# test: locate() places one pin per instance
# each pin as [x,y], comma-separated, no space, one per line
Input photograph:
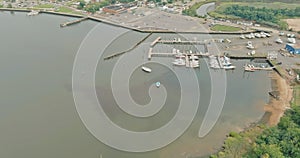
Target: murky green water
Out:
[38,117]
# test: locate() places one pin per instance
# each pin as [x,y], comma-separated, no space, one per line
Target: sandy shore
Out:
[276,108]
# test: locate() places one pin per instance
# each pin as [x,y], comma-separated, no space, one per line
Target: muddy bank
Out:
[276,107]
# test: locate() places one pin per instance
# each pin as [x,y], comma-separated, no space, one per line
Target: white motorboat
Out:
[229,67]
[146,69]
[291,40]
[179,62]
[250,47]
[278,40]
[32,13]
[179,55]
[193,57]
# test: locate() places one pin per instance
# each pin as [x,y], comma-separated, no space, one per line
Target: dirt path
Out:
[277,107]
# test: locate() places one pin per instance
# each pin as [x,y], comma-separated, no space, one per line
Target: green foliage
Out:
[93,7]
[281,141]
[224,28]
[263,15]
[125,1]
[170,1]
[9,5]
[81,5]
[192,10]
[266,151]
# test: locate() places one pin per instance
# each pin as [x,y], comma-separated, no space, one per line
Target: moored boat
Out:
[32,13]
[146,69]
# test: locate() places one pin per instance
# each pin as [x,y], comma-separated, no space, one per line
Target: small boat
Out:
[179,62]
[249,68]
[278,40]
[250,47]
[146,69]
[229,67]
[32,13]
[157,84]
[193,57]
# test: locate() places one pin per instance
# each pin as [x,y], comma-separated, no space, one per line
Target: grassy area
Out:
[218,27]
[296,95]
[222,16]
[68,10]
[192,10]
[274,5]
[253,14]
[44,6]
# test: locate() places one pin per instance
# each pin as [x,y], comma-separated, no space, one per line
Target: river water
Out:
[38,117]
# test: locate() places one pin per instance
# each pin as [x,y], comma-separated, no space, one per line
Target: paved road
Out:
[203,9]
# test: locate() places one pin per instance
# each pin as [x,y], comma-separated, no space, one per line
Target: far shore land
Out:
[143,30]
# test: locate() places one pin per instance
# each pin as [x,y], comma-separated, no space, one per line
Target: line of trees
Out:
[93,7]
[281,141]
[262,15]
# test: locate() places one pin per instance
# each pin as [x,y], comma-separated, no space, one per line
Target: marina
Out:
[59,84]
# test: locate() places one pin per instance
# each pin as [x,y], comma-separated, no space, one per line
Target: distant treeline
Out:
[262,15]
[264,1]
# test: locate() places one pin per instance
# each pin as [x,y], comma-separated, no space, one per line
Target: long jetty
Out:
[128,50]
[73,22]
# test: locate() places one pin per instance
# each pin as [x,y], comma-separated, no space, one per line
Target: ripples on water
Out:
[38,116]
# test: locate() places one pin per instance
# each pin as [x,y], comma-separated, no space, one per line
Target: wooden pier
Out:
[73,22]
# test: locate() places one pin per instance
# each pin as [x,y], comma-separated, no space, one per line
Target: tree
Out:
[267,151]
[81,5]
[9,5]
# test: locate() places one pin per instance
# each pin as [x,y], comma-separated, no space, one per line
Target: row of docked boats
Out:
[252,68]
[217,62]
[188,60]
[256,35]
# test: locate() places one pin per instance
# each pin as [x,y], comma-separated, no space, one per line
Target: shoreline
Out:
[150,30]
[276,108]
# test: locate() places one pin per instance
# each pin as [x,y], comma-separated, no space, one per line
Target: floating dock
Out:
[151,53]
[73,22]
[178,41]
